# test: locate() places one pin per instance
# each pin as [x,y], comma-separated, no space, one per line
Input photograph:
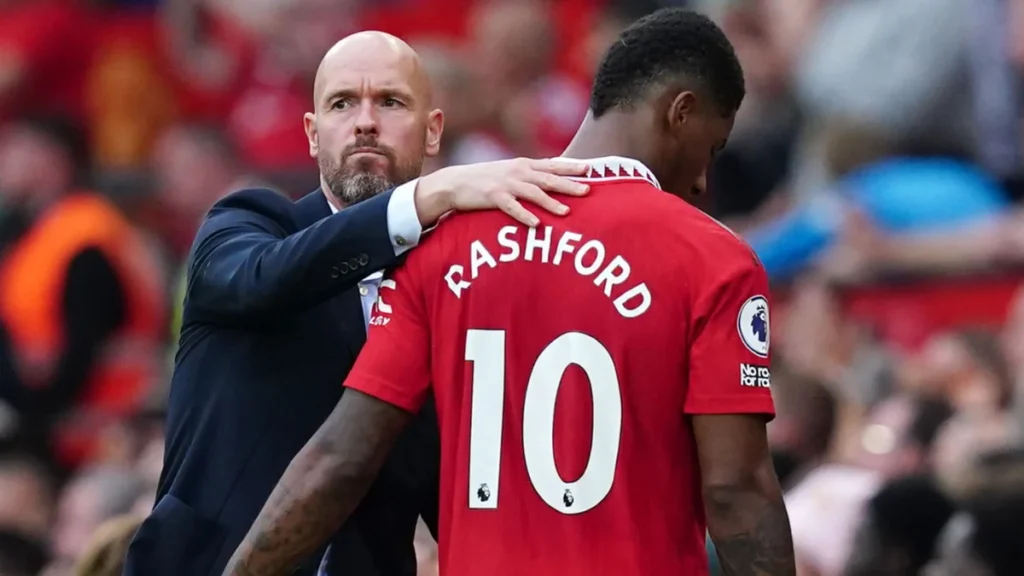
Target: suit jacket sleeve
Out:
[246,266]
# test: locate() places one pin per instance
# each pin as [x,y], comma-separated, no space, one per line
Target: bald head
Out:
[372,122]
[373,50]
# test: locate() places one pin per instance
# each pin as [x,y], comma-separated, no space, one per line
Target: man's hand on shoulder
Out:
[502,185]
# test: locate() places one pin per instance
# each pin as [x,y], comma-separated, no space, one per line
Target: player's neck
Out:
[607,136]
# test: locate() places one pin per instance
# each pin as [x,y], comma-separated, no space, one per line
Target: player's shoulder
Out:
[708,236]
[459,224]
[452,231]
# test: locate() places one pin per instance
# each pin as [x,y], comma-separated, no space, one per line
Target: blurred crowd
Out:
[875,167]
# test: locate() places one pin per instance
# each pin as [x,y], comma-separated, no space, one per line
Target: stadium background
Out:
[875,167]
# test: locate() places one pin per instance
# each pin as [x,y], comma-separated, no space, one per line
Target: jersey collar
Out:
[615,168]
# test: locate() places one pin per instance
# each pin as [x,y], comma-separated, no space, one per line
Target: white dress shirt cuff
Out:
[403,223]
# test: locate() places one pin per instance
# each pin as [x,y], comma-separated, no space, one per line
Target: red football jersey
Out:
[564,360]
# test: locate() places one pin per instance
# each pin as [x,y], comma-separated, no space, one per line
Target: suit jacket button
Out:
[363,259]
[344,267]
[353,263]
[335,273]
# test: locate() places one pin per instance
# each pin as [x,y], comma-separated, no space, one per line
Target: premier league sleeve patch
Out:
[752,324]
[753,376]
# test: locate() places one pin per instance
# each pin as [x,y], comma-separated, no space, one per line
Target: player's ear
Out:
[435,126]
[681,110]
[309,125]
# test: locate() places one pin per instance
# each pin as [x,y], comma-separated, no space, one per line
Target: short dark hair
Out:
[671,42]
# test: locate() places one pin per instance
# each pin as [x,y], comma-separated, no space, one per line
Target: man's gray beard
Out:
[354,188]
[351,186]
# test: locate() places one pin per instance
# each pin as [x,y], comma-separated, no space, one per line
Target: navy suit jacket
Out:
[272,325]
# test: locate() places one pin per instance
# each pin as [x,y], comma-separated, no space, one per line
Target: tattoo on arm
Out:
[321,487]
[752,535]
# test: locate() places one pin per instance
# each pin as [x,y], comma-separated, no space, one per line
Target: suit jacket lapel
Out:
[310,209]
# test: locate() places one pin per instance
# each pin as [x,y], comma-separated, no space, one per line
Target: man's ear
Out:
[309,125]
[680,110]
[435,126]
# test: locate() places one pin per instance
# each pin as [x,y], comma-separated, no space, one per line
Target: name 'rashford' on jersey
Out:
[588,257]
[564,360]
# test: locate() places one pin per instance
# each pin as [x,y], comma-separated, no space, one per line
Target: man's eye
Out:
[340,104]
[391,103]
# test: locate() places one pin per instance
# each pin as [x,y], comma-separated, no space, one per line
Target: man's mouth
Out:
[365,150]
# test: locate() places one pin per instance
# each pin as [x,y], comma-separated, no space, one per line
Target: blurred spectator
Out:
[826,506]
[463,114]
[816,339]
[149,465]
[899,433]
[90,499]
[79,294]
[767,35]
[194,166]
[28,494]
[209,46]
[20,556]
[1013,349]
[900,529]
[44,54]
[904,197]
[293,36]
[536,108]
[984,539]
[801,433]
[969,369]
[129,95]
[895,68]
[105,554]
[609,23]
[824,510]
[995,94]
[126,443]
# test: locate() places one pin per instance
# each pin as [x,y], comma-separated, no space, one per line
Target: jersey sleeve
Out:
[394,365]
[729,368]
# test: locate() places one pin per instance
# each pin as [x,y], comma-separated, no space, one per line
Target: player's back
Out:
[560,372]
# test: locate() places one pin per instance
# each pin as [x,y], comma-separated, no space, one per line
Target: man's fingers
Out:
[558,184]
[560,167]
[513,208]
[536,195]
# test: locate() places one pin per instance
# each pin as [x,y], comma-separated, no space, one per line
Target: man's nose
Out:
[366,121]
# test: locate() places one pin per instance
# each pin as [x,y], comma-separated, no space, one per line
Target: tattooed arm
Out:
[742,499]
[321,487]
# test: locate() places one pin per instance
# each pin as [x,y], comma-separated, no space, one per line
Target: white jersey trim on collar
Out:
[615,168]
